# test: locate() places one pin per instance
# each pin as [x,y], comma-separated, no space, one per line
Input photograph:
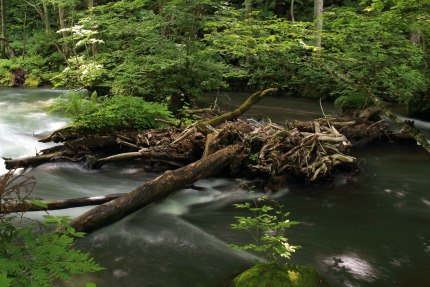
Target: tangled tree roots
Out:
[269,149]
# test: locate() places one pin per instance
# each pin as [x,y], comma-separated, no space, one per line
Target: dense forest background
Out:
[171,51]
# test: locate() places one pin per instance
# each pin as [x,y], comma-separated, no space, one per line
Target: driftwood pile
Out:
[267,149]
[305,151]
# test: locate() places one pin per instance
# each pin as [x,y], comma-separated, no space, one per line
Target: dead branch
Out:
[25,206]
[255,98]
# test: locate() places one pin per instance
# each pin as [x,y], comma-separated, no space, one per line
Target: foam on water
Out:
[23,121]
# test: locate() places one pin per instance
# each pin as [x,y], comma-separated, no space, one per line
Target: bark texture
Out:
[154,190]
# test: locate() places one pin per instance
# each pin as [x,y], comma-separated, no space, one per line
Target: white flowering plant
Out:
[267,225]
[81,73]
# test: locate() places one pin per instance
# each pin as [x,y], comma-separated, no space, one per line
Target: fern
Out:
[29,258]
[122,112]
[36,257]
[73,103]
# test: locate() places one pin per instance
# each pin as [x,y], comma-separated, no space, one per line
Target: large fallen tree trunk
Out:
[155,190]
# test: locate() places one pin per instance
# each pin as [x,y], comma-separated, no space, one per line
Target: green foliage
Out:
[31,256]
[153,55]
[5,76]
[121,112]
[267,226]
[32,80]
[265,51]
[35,66]
[372,49]
[73,103]
[6,66]
[169,50]
[81,73]
[351,102]
[279,275]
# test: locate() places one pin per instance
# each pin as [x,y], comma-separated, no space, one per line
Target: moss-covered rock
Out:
[279,275]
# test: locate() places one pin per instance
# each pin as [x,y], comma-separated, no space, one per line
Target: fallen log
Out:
[121,156]
[32,161]
[255,98]
[25,206]
[154,190]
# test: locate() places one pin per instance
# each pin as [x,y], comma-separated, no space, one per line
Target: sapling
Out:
[267,226]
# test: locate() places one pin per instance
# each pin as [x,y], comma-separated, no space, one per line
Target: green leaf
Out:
[39,204]
[4,281]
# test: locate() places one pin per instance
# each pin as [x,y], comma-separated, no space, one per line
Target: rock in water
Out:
[279,275]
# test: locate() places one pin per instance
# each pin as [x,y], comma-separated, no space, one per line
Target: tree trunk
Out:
[62,23]
[3,29]
[24,24]
[248,8]
[46,18]
[318,18]
[154,190]
[292,10]
[94,46]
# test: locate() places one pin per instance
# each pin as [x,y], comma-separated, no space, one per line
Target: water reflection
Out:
[352,268]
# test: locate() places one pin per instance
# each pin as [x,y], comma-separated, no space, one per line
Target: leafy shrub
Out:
[81,73]
[267,227]
[5,76]
[353,101]
[5,66]
[31,256]
[32,80]
[31,64]
[122,112]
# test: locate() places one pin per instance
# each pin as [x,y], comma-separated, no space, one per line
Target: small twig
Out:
[322,110]
[190,130]
[122,142]
[377,123]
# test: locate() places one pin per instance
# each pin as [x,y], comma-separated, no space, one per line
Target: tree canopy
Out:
[172,51]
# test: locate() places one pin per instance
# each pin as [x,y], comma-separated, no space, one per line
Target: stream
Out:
[371,229]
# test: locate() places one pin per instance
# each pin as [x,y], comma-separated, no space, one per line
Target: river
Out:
[371,229]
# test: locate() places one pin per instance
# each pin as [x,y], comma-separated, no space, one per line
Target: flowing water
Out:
[362,230]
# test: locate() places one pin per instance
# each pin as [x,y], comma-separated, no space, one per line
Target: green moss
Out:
[279,275]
